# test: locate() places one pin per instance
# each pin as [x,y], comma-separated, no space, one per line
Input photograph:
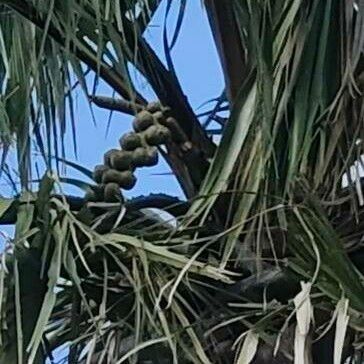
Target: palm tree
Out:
[261,263]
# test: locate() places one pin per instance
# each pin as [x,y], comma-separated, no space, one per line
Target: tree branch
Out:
[110,103]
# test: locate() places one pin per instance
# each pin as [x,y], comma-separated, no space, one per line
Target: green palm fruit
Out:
[112,193]
[157,135]
[143,121]
[145,157]
[108,154]
[128,180]
[130,141]
[121,160]
[98,172]
[124,179]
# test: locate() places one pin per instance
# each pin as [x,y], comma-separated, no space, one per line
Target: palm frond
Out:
[263,242]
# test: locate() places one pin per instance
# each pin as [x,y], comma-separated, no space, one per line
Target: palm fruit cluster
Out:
[138,149]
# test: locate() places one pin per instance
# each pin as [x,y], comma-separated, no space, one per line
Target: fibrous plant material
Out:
[145,157]
[143,121]
[98,172]
[121,160]
[112,193]
[131,141]
[125,179]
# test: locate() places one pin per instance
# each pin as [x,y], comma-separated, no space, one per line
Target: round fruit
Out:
[157,135]
[124,179]
[112,175]
[143,121]
[130,141]
[128,180]
[121,160]
[107,156]
[98,172]
[112,193]
[145,157]
[152,159]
